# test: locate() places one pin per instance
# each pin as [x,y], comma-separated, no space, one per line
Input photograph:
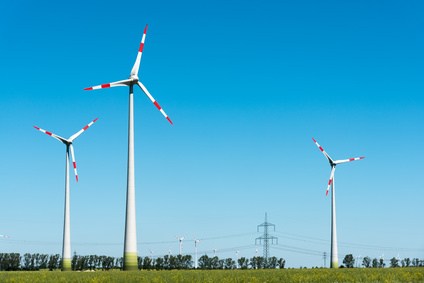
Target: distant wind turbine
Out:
[357,261]
[237,252]
[214,251]
[334,254]
[181,241]
[151,254]
[66,249]
[130,242]
[195,251]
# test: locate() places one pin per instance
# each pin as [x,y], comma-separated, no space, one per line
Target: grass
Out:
[411,274]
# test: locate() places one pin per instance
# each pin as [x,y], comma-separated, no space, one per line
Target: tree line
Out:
[33,262]
[36,261]
[367,262]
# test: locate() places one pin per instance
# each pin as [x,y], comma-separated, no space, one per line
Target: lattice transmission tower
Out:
[266,238]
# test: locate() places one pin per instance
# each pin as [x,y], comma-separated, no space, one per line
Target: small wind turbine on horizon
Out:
[334,254]
[151,254]
[66,249]
[195,251]
[214,251]
[170,251]
[181,242]
[130,240]
[357,261]
[237,252]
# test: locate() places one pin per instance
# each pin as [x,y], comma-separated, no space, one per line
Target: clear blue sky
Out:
[247,85]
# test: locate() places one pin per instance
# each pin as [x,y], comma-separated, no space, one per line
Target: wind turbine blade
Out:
[134,71]
[153,100]
[83,129]
[73,161]
[119,83]
[323,151]
[184,236]
[347,160]
[4,236]
[52,135]
[331,179]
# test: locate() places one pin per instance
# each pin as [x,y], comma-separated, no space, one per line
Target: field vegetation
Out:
[410,274]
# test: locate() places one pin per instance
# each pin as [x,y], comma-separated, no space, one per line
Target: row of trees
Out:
[256,262]
[33,262]
[367,262]
[14,261]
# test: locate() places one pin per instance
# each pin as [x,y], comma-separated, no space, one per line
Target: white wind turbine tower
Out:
[195,251]
[214,251]
[334,254]
[237,252]
[130,240]
[170,251]
[66,249]
[357,261]
[181,241]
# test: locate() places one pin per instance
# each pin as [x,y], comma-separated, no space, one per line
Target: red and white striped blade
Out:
[143,88]
[4,236]
[331,179]
[83,129]
[323,151]
[73,161]
[63,140]
[119,83]
[348,160]
[134,71]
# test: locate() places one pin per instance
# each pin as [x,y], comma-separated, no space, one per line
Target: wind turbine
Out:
[130,242]
[357,261]
[151,254]
[66,249]
[237,252]
[170,251]
[181,241]
[195,251]
[214,251]
[334,254]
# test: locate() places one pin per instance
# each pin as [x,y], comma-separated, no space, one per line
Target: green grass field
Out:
[412,274]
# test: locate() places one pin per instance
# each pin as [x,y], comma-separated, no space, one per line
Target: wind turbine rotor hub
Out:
[134,79]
